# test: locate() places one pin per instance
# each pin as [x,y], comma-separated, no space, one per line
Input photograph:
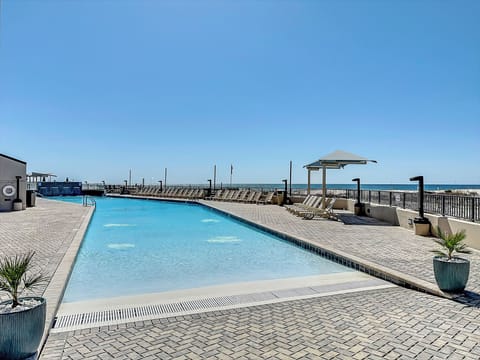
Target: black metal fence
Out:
[458,206]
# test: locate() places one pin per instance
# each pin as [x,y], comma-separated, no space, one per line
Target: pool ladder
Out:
[88,201]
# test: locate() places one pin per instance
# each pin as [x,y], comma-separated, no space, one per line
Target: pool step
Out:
[70,322]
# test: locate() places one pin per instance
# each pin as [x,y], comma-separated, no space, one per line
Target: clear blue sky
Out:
[91,89]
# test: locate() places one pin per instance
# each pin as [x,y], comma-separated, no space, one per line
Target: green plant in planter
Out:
[22,320]
[451,272]
[15,276]
[452,243]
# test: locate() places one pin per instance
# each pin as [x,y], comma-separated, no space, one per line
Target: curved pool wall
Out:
[137,246]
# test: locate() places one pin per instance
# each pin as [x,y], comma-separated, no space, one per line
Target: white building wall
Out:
[9,169]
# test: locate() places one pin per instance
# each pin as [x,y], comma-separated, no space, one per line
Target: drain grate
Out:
[77,321]
[146,312]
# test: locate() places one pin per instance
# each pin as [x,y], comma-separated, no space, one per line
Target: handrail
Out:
[88,201]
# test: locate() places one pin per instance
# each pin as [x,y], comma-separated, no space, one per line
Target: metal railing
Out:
[88,201]
[32,186]
[458,206]
[96,187]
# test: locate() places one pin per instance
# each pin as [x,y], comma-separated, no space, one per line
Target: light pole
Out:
[290,192]
[358,207]
[165,179]
[18,188]
[420,194]
[422,224]
[214,176]
[209,187]
[161,185]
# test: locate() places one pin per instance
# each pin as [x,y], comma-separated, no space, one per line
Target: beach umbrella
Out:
[335,160]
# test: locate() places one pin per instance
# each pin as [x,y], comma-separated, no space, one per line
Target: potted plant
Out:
[451,272]
[22,319]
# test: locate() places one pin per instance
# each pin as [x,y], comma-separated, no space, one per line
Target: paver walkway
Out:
[53,229]
[48,229]
[391,323]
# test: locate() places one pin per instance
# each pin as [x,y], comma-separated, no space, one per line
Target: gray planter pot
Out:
[451,276]
[21,332]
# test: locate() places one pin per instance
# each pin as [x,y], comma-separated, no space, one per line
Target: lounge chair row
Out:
[312,208]
[243,195]
[171,192]
[145,190]
[183,193]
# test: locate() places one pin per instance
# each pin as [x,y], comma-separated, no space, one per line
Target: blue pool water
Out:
[139,246]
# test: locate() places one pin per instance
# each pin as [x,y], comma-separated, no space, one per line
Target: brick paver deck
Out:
[48,229]
[54,230]
[391,323]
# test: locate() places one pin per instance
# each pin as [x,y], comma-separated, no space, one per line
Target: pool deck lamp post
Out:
[290,189]
[18,188]
[284,200]
[209,187]
[422,224]
[161,185]
[17,203]
[358,207]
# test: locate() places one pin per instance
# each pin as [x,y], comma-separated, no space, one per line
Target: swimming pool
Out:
[137,246]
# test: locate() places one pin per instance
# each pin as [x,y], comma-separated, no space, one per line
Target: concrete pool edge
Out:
[127,309]
[228,289]
[59,280]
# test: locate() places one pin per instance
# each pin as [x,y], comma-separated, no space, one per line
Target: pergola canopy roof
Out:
[337,160]
[37,174]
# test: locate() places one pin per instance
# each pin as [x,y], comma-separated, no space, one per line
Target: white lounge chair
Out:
[322,213]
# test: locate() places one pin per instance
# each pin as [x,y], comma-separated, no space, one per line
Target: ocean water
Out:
[139,246]
[353,186]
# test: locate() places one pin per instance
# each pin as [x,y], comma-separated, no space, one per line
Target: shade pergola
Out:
[335,160]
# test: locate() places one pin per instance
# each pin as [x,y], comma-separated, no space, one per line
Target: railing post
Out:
[443,205]
[369,196]
[404,199]
[379,197]
[390,195]
[473,209]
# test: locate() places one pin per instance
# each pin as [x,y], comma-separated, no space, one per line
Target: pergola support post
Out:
[324,186]
[308,182]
